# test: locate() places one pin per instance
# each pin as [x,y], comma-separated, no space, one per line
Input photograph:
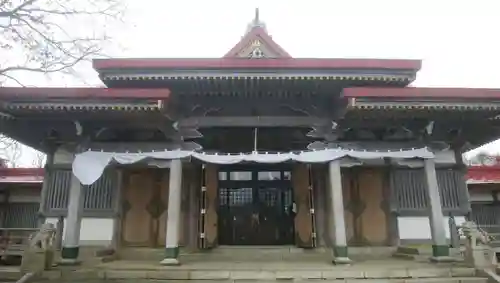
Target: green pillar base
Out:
[70,252]
[172,252]
[340,255]
[171,255]
[340,251]
[69,256]
[440,251]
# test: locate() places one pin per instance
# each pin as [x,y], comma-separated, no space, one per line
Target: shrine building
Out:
[483,182]
[256,148]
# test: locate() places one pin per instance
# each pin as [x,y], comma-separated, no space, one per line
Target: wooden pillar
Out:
[173,214]
[337,205]
[71,245]
[440,249]
[47,175]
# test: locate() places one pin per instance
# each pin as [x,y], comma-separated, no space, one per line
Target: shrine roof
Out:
[33,93]
[256,50]
[263,63]
[423,93]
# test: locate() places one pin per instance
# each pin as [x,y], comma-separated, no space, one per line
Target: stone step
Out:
[210,272]
[256,253]
[411,280]
[430,280]
[283,273]
[10,274]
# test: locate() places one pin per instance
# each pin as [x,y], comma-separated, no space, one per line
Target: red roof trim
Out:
[265,63]
[21,175]
[483,174]
[257,33]
[21,171]
[414,92]
[81,93]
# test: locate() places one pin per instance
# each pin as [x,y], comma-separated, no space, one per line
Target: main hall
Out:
[256,148]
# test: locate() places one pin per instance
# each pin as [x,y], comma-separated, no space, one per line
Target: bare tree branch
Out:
[39,160]
[53,36]
[10,150]
[47,37]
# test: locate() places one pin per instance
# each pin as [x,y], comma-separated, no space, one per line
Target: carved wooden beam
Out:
[253,121]
[327,133]
[141,146]
[378,145]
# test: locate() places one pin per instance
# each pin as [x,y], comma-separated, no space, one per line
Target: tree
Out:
[49,36]
[39,160]
[10,151]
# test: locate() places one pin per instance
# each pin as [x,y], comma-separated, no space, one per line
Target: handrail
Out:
[26,277]
[479,250]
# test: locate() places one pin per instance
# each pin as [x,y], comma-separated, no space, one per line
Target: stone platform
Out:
[385,270]
[271,265]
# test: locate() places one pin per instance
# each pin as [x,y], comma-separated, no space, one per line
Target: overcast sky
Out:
[457,40]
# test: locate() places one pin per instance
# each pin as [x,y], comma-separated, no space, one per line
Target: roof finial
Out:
[256,22]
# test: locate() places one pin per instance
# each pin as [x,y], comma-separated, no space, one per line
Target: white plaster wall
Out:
[25,194]
[419,227]
[94,231]
[480,196]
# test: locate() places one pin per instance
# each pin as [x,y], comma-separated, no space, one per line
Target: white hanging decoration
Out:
[88,166]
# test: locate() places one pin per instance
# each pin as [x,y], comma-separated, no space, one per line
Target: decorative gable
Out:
[257,53]
[257,43]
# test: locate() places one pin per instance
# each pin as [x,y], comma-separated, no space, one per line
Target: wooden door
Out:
[303,205]
[349,196]
[365,208]
[373,218]
[162,219]
[145,200]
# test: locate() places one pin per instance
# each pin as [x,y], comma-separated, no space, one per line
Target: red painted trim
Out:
[484,173]
[81,93]
[257,33]
[417,92]
[20,176]
[5,171]
[265,63]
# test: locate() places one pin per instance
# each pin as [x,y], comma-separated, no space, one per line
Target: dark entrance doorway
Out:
[255,205]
